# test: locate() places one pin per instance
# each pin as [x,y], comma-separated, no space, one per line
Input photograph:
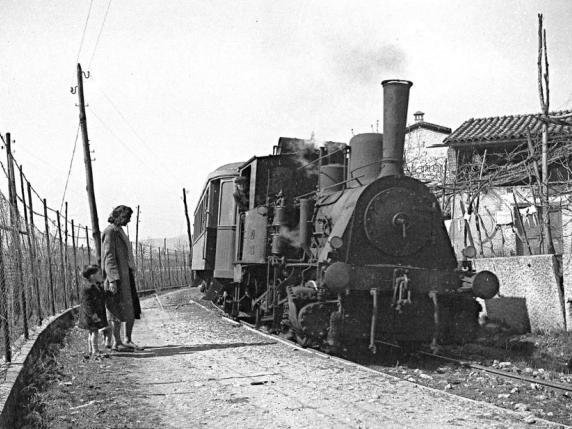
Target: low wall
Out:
[567,272]
[51,330]
[530,297]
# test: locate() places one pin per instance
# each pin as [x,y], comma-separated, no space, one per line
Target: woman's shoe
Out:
[133,345]
[121,348]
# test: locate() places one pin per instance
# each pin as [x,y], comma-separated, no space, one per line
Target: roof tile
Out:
[511,127]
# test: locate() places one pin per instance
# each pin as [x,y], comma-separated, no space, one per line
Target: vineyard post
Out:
[4,306]
[82,252]
[15,228]
[49,253]
[66,256]
[161,264]
[75,267]
[177,271]
[62,262]
[31,253]
[34,247]
[145,269]
[151,267]
[168,262]
[88,248]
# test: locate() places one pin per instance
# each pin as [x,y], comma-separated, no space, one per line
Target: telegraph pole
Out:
[88,171]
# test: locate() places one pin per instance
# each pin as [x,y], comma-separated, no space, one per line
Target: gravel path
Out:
[199,370]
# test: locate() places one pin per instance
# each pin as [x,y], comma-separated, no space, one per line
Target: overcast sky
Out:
[179,87]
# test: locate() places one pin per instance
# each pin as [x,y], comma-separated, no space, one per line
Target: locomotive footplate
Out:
[341,276]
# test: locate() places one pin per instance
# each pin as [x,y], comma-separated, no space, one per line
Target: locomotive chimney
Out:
[395,101]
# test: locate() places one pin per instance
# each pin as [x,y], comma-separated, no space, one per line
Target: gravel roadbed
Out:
[201,370]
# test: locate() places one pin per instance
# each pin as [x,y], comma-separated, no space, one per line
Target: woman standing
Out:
[122,302]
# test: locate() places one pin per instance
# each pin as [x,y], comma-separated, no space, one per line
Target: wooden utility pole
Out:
[188,224]
[88,170]
[544,95]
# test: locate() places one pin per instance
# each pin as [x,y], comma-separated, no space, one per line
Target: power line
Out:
[133,130]
[159,175]
[70,169]
[84,29]
[99,34]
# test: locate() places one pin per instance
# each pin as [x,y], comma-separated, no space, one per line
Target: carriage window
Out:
[199,224]
[226,213]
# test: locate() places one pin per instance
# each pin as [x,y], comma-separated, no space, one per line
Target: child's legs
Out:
[93,339]
[106,332]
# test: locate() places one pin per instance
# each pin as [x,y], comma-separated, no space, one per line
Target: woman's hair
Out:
[118,212]
[89,270]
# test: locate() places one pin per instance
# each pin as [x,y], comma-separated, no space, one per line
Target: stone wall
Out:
[530,297]
[567,273]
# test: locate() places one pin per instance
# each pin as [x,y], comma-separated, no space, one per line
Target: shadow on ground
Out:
[174,349]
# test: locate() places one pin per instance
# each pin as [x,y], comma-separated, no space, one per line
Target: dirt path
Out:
[198,370]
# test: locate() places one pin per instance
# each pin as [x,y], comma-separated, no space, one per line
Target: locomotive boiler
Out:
[336,247]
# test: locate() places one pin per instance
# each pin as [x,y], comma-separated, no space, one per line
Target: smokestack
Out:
[395,101]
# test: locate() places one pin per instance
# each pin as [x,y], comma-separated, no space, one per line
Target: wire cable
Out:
[160,177]
[99,34]
[84,30]
[136,134]
[70,169]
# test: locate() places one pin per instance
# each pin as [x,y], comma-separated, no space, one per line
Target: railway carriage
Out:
[214,230]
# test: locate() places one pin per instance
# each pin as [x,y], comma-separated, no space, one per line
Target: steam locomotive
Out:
[334,246]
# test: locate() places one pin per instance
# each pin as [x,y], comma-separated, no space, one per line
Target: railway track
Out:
[465,368]
[440,357]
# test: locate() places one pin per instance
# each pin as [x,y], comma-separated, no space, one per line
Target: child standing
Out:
[92,315]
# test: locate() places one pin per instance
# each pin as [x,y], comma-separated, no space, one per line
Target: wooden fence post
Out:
[15,227]
[151,267]
[4,306]
[88,249]
[66,257]
[35,247]
[62,263]
[75,267]
[160,265]
[31,249]
[168,262]
[49,253]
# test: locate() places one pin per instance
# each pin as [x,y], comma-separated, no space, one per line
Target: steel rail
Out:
[506,374]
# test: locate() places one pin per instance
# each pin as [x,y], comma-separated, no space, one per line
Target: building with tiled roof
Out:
[425,153]
[492,173]
[503,129]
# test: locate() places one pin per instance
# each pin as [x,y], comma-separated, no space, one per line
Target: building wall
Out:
[421,161]
[530,297]
[495,235]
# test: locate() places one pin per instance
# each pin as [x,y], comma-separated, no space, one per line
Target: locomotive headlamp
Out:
[485,285]
[469,252]
[336,242]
